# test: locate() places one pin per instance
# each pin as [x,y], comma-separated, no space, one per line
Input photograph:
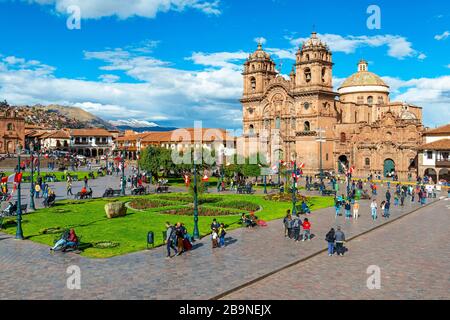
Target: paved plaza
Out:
[29,271]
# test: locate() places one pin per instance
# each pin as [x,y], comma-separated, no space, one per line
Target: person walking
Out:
[356,210]
[340,240]
[348,207]
[374,208]
[170,239]
[69,187]
[214,238]
[286,223]
[37,189]
[330,239]
[387,206]
[337,207]
[179,238]
[296,223]
[221,233]
[86,181]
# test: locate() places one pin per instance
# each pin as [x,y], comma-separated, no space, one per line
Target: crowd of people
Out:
[177,239]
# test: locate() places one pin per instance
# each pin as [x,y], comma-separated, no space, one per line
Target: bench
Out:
[162,189]
[87,195]
[138,191]
[327,192]
[24,208]
[110,193]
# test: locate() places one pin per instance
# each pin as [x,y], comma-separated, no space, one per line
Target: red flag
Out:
[301,165]
[4,179]
[187,180]
[205,178]
[18,177]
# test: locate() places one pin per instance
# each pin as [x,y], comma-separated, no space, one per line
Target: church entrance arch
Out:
[444,174]
[389,168]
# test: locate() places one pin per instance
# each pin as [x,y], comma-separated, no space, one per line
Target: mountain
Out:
[57,116]
[139,125]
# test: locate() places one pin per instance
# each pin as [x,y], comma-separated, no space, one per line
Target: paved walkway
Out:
[413,255]
[27,270]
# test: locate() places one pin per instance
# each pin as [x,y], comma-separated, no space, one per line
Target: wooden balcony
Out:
[443,163]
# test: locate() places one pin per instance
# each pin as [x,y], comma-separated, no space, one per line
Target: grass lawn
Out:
[89,221]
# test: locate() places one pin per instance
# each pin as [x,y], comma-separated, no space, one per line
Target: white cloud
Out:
[260,40]
[422,56]
[398,47]
[109,78]
[220,59]
[135,123]
[123,9]
[443,36]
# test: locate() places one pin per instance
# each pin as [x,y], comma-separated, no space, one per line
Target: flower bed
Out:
[284,197]
[202,211]
[143,204]
[240,205]
[185,199]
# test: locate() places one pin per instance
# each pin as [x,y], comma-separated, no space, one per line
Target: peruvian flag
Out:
[187,180]
[351,170]
[18,177]
[294,175]
[301,165]
[274,168]
[11,178]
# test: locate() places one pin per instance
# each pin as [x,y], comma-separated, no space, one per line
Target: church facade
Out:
[12,131]
[302,118]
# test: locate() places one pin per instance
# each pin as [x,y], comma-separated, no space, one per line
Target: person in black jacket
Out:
[330,238]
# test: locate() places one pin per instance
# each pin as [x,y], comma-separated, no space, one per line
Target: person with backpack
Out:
[221,233]
[348,207]
[307,229]
[330,238]
[170,239]
[215,224]
[340,240]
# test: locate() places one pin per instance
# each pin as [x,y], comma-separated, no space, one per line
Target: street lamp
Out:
[125,145]
[320,139]
[32,204]
[294,187]
[196,233]
[19,231]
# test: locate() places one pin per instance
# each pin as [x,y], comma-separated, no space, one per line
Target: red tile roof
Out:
[444,130]
[439,145]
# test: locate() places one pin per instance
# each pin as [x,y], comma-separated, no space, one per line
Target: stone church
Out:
[303,118]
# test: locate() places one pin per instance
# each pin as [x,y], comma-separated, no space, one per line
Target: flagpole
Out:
[294,189]
[19,231]
[32,204]
[196,231]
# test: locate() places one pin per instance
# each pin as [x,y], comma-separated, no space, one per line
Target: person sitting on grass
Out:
[305,208]
[68,239]
[246,221]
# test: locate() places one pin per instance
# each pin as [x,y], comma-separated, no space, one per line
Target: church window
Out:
[252,130]
[326,157]
[308,74]
[360,100]
[267,124]
[253,83]
[367,162]
[343,137]
[10,127]
[277,123]
[307,126]
[380,100]
[306,105]
[356,116]
[307,57]
[429,155]
[370,100]
[324,72]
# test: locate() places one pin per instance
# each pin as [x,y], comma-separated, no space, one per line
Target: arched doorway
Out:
[389,168]
[444,174]
[10,147]
[431,173]
[343,164]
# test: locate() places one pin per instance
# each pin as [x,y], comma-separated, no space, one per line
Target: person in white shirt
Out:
[374,207]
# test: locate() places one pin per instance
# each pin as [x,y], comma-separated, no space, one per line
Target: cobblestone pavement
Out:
[413,255]
[28,271]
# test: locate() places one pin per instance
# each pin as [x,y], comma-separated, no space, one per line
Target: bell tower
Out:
[259,69]
[314,66]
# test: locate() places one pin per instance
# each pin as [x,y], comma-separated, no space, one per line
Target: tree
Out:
[156,160]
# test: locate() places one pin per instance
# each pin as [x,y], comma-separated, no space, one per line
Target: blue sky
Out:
[175,61]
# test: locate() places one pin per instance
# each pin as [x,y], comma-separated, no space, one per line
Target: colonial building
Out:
[12,131]
[434,154]
[91,142]
[303,118]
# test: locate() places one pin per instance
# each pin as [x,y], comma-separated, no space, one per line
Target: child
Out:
[307,228]
[214,237]
[356,210]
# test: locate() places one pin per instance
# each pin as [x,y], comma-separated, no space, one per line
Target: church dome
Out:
[363,80]
[314,43]
[259,54]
